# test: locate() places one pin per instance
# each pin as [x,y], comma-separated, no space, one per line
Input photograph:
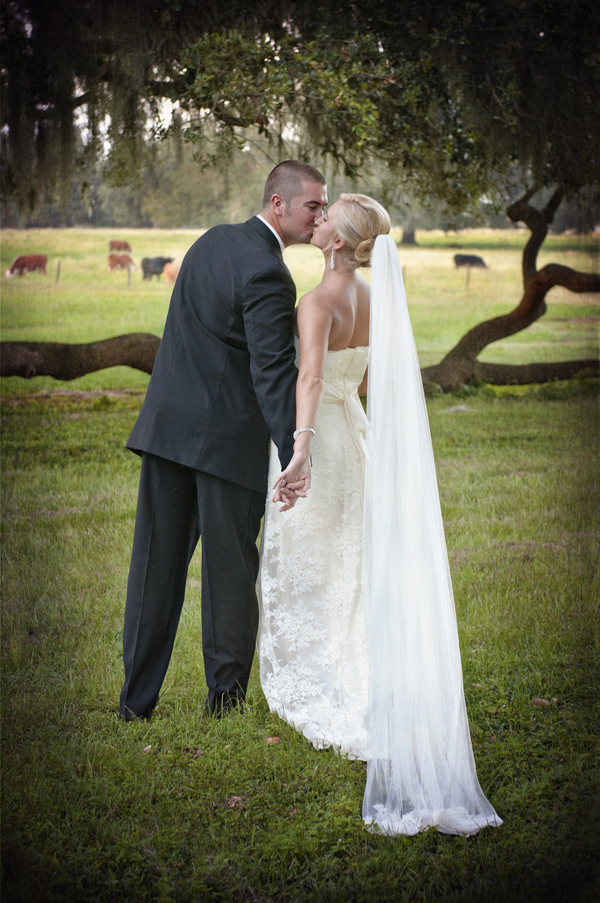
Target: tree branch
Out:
[556,274]
[531,307]
[526,374]
[537,221]
[460,363]
[553,205]
[138,350]
[64,361]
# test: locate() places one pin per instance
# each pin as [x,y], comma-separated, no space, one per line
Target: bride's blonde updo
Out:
[359,220]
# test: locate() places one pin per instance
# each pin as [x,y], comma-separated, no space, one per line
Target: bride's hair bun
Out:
[360,219]
[362,255]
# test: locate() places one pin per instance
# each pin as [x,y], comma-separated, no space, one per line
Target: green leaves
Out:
[396,81]
[330,91]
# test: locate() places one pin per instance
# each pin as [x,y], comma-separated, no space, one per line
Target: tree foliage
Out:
[450,93]
[102,64]
[336,96]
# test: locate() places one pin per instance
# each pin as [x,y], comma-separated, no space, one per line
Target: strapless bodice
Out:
[343,371]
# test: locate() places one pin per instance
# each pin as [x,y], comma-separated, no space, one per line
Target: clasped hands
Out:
[293,483]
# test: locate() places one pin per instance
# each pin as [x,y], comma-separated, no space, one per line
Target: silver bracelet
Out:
[305,429]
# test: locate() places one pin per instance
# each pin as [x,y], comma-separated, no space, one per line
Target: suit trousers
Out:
[176,506]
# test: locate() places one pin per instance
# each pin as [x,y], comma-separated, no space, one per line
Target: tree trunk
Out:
[408,237]
[461,364]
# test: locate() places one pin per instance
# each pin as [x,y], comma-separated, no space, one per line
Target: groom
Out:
[223,382]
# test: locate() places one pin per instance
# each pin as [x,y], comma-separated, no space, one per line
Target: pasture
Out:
[89,303]
[187,808]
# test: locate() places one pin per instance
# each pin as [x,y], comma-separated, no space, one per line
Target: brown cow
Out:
[117,245]
[120,262]
[28,263]
[171,271]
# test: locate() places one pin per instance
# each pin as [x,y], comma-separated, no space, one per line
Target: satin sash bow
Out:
[355,415]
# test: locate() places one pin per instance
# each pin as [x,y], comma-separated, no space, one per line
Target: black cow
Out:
[153,266]
[469,260]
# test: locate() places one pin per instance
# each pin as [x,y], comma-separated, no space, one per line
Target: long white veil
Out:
[420,770]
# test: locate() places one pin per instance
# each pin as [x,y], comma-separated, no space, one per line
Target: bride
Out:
[358,642]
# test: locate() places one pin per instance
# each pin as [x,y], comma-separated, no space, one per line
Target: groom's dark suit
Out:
[223,382]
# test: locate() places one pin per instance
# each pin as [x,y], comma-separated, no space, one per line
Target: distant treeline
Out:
[175,192]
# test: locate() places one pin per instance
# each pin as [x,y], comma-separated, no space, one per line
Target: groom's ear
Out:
[278,205]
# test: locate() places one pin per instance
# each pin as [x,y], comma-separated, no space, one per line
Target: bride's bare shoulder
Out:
[316,306]
[316,313]
[323,298]
[317,296]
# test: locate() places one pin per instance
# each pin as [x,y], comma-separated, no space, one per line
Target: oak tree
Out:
[454,97]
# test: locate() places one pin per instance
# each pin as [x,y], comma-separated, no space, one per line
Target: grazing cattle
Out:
[28,263]
[120,262]
[117,245]
[153,266]
[171,271]
[469,260]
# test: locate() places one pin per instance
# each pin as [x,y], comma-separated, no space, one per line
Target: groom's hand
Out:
[294,482]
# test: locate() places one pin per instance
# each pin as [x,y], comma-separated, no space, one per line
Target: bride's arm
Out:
[314,326]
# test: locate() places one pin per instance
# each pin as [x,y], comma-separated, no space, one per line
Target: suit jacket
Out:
[224,378]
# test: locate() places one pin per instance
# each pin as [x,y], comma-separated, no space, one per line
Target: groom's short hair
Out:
[288,180]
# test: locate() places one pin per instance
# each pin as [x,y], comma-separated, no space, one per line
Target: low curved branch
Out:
[526,374]
[65,361]
[451,374]
[531,307]
[461,364]
[557,274]
[138,350]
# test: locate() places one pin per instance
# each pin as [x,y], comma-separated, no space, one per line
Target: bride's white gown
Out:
[312,640]
[357,612]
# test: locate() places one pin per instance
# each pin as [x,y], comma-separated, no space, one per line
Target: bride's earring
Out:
[332,260]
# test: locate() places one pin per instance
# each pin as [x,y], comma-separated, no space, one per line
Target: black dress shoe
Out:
[128,715]
[223,703]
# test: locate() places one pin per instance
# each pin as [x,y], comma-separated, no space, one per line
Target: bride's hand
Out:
[294,482]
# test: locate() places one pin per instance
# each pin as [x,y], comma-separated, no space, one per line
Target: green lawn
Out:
[90,304]
[187,808]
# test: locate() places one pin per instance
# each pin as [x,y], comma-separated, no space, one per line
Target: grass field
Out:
[186,808]
[90,304]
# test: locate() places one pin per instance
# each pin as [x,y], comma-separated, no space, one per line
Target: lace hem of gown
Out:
[312,641]
[447,821]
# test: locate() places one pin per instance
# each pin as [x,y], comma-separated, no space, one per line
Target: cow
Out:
[469,260]
[116,244]
[28,263]
[120,262]
[153,266]
[171,271]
